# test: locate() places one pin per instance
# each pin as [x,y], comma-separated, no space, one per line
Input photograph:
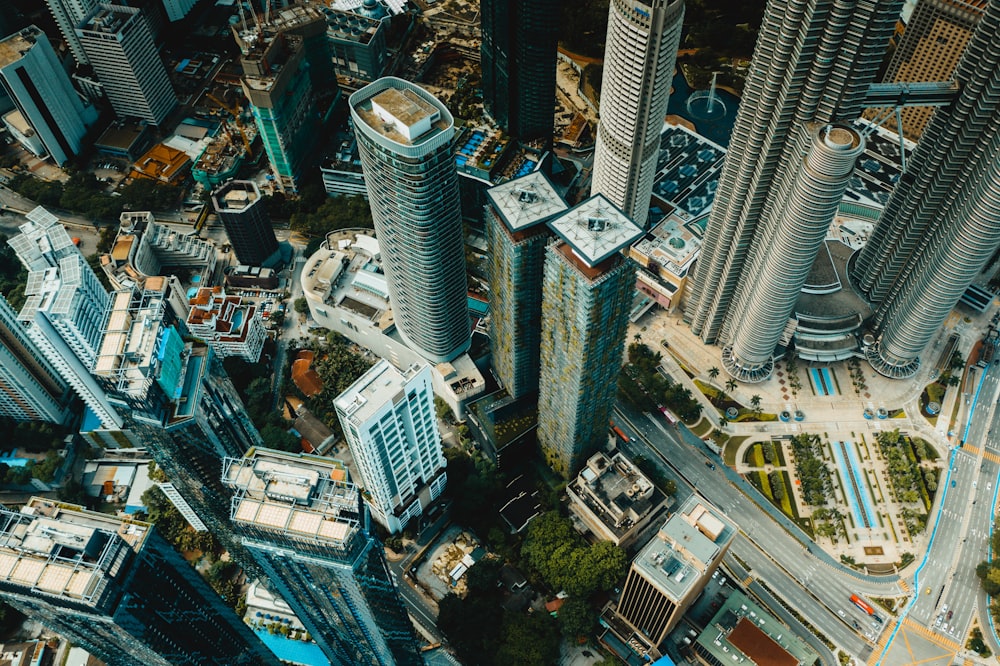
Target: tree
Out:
[576,618]
[730,384]
[755,402]
[301,305]
[713,372]
[528,640]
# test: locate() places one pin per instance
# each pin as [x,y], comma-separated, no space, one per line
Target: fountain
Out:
[705,104]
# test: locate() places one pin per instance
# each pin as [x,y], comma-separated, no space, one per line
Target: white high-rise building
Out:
[638,67]
[68,15]
[120,48]
[405,142]
[390,427]
[66,307]
[33,78]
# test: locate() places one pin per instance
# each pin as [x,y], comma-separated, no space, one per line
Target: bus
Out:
[862,604]
[671,419]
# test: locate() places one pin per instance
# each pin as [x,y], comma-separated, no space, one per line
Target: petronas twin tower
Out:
[790,158]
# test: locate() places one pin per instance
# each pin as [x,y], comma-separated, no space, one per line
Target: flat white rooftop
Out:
[381,384]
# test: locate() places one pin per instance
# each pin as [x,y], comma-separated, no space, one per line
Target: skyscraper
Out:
[516,234]
[65,308]
[120,48]
[178,400]
[388,422]
[518,58]
[638,68]
[929,50]
[404,138]
[247,222]
[34,79]
[587,290]
[69,14]
[30,387]
[939,227]
[115,587]
[306,525]
[813,64]
[289,79]
[803,211]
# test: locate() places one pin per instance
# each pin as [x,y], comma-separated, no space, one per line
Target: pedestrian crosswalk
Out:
[975,451]
[913,625]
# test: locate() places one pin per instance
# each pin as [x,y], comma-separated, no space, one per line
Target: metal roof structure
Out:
[595,229]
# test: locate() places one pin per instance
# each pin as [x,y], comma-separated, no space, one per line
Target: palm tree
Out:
[730,384]
[755,402]
[723,422]
[713,372]
[637,337]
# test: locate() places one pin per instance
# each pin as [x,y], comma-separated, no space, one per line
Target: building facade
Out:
[938,230]
[229,326]
[31,389]
[65,307]
[516,234]
[88,576]
[358,44]
[68,14]
[786,91]
[247,222]
[33,77]
[639,63]
[804,210]
[307,527]
[404,138]
[932,43]
[669,573]
[518,57]
[120,48]
[389,424]
[587,289]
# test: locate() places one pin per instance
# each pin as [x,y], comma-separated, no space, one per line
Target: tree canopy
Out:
[554,549]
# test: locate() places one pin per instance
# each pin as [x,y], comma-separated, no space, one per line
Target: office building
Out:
[932,43]
[614,499]
[518,57]
[939,229]
[289,79]
[115,587]
[65,308]
[177,9]
[639,58]
[785,93]
[742,631]
[388,421]
[587,289]
[305,524]
[178,400]
[247,222]
[33,77]
[804,209]
[30,387]
[669,573]
[516,234]
[357,44]
[69,14]
[404,137]
[120,48]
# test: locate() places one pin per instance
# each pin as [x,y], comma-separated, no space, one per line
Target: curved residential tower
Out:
[404,138]
[638,67]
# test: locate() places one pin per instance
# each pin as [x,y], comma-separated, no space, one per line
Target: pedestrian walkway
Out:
[975,451]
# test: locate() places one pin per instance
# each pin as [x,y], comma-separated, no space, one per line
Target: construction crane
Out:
[235,113]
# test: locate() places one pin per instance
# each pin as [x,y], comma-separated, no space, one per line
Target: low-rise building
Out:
[743,632]
[230,325]
[666,254]
[614,499]
[346,291]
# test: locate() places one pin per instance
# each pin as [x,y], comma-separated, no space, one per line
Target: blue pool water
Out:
[823,381]
[817,381]
[855,489]
[296,652]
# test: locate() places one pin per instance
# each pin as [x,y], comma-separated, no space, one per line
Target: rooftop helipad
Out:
[595,229]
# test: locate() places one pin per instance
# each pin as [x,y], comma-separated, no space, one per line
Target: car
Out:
[944,609]
[950,613]
[840,612]
[937,622]
[953,483]
[709,464]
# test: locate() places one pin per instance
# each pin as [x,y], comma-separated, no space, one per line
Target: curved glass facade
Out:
[413,192]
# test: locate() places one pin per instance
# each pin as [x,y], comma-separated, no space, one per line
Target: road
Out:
[784,562]
[947,579]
